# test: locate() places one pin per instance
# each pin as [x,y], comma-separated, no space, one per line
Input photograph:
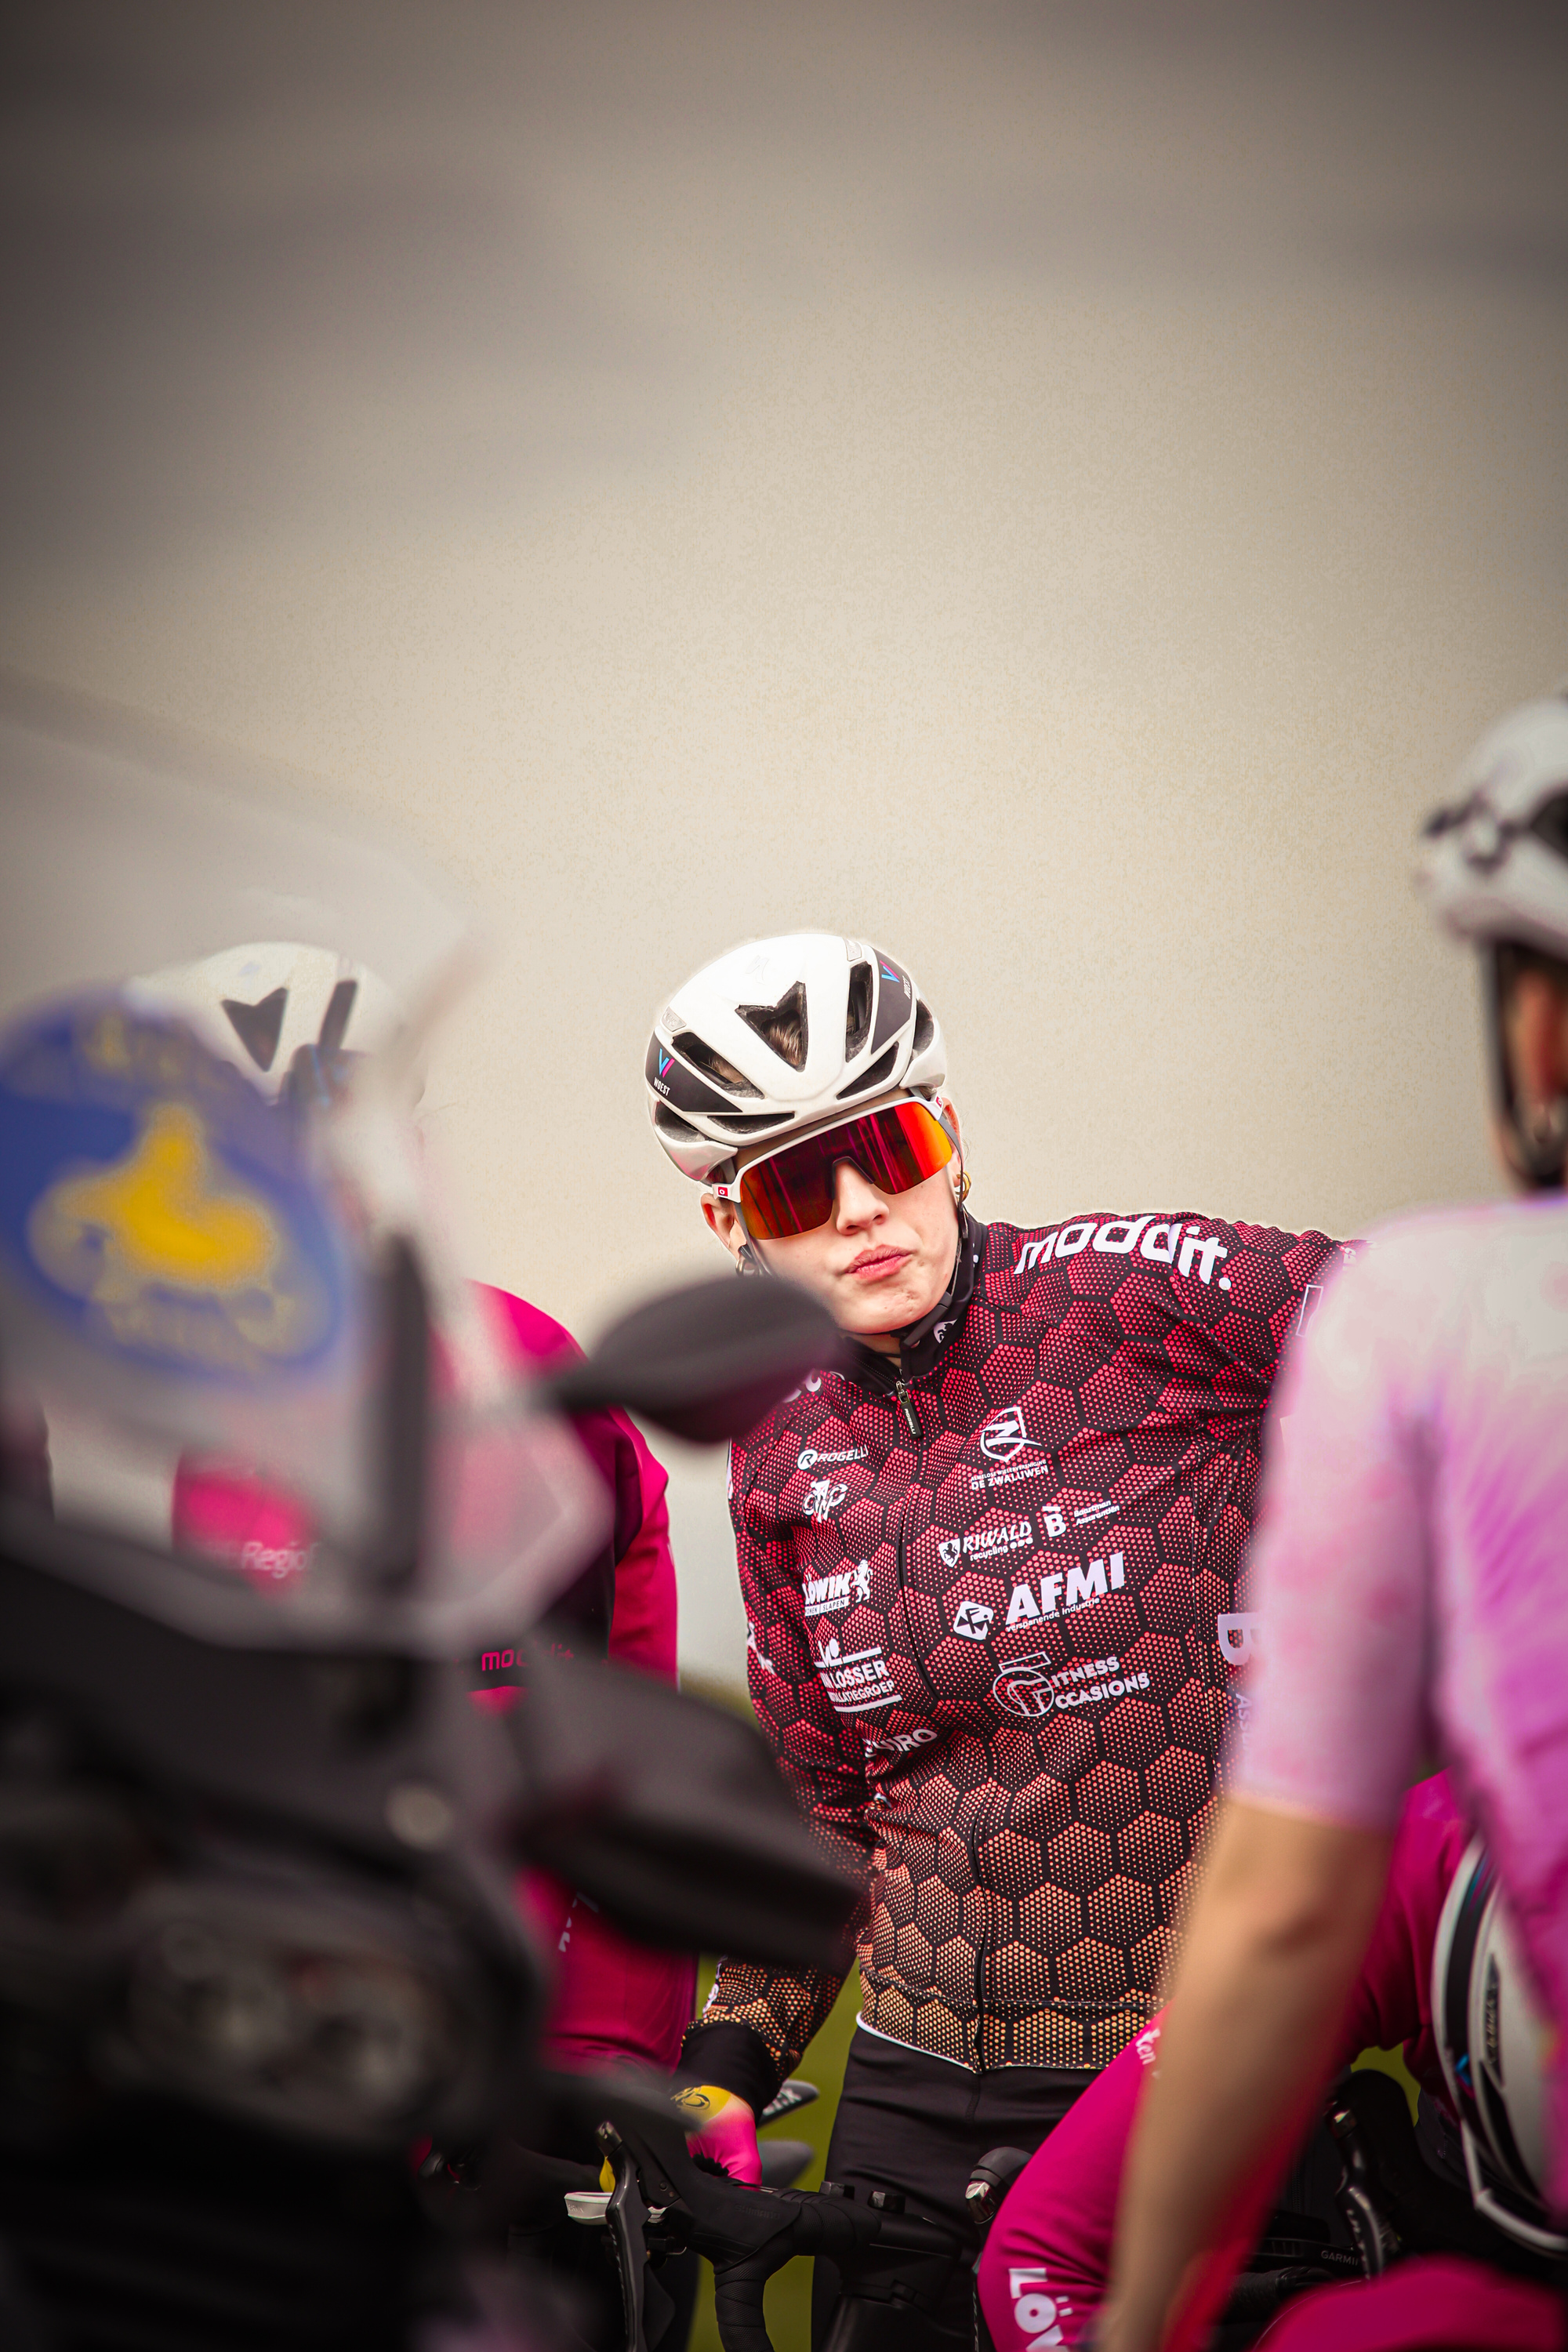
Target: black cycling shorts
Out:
[918,2124]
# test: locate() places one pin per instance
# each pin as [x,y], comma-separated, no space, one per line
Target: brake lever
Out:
[626,2216]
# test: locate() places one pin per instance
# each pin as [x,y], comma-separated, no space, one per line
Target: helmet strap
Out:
[748,1257]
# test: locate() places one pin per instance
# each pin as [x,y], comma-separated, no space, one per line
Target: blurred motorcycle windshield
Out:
[196,1270]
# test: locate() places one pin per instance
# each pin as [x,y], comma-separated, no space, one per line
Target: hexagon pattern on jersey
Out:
[995,1660]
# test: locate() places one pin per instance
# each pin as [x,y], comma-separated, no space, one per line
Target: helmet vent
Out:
[337,1016]
[258,1026]
[740,1122]
[925,1028]
[701,1056]
[667,1123]
[857,1020]
[781,1027]
[880,1069]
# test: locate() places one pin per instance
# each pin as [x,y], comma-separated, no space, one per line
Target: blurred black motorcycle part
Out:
[688,1364]
[667,1813]
[256,1934]
[258,1942]
[670,1815]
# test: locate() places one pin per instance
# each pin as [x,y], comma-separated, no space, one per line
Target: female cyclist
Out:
[989,1565]
[1412,1578]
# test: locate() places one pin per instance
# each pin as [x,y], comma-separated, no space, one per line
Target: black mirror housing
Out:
[669,1813]
[705,1361]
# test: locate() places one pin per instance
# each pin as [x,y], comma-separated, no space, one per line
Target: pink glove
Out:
[720,2125]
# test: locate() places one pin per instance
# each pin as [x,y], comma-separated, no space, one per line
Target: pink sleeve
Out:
[617,2003]
[1049,2253]
[645,1624]
[532,1333]
[1339,1566]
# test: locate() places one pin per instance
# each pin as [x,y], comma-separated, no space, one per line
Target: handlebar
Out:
[823,2222]
[664,2198]
[746,2233]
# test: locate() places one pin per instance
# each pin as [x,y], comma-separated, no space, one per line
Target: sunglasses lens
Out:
[894,1149]
[791,1194]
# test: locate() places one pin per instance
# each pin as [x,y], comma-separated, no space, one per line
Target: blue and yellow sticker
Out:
[153,1202]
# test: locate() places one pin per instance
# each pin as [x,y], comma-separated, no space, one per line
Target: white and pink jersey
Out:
[1410,1570]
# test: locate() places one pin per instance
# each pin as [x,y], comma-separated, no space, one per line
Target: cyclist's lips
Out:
[878,1263]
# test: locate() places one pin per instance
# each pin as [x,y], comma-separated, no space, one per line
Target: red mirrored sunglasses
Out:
[792,1190]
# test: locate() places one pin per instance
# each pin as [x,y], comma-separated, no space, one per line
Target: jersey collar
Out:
[921,1345]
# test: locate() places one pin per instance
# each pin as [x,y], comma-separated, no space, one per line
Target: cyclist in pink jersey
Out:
[1043,2273]
[1411,1589]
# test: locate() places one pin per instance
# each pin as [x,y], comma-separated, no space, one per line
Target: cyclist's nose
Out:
[855,1203]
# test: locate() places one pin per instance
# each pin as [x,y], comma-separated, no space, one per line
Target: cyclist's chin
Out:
[873,1309]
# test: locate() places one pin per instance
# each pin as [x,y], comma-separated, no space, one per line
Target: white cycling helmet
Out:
[291,1018]
[1493,2046]
[1494,868]
[779,1034]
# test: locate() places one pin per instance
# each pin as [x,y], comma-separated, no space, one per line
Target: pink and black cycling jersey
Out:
[615,2001]
[991,1589]
[1411,1561]
[1042,2274]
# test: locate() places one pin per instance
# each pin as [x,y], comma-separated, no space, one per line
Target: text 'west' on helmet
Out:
[782,1034]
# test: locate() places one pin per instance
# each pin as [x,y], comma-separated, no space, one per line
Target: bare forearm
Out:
[1271,1947]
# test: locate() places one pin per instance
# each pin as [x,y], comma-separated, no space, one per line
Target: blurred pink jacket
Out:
[615,2001]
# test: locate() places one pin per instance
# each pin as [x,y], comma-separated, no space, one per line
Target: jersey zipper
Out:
[911,1422]
[911,1418]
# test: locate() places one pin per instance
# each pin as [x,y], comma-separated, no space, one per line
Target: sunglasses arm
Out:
[748,1257]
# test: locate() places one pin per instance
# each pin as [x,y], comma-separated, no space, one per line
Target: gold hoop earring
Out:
[960,1190]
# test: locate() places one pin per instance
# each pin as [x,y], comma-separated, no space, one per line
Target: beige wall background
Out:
[1053,489]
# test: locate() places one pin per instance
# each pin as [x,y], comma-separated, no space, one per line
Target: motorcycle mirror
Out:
[705,1361]
[669,1814]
